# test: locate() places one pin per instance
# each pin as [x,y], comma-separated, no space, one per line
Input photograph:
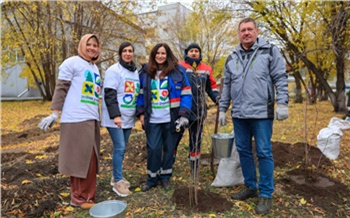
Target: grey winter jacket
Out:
[251,86]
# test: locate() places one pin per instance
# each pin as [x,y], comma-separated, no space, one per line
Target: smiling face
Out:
[128,54]
[92,48]
[248,33]
[160,56]
[193,53]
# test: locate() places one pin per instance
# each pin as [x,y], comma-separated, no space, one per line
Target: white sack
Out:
[229,170]
[339,123]
[329,138]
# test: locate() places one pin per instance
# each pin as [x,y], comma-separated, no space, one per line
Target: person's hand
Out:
[181,122]
[48,121]
[281,112]
[142,119]
[217,99]
[118,121]
[222,118]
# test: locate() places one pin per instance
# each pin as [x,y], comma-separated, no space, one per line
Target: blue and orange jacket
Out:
[180,96]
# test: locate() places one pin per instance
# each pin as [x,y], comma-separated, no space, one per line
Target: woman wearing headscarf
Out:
[164,106]
[121,88]
[76,98]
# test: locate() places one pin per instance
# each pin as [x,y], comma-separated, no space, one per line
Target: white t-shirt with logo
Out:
[127,85]
[81,102]
[160,100]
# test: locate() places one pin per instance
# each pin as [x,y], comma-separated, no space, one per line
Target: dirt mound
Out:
[287,155]
[207,201]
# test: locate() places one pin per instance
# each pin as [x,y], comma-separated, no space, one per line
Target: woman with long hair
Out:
[164,106]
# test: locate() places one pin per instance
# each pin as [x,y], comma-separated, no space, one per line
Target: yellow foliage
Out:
[243,206]
[138,189]
[69,209]
[39,175]
[41,157]
[303,26]
[64,194]
[25,182]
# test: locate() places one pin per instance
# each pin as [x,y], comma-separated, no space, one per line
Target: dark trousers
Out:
[161,144]
[195,132]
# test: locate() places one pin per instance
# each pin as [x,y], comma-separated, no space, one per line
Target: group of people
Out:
[167,96]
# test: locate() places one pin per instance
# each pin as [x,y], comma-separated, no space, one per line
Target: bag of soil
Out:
[329,138]
[229,170]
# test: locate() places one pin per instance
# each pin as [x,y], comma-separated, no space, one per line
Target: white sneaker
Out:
[126,182]
[121,189]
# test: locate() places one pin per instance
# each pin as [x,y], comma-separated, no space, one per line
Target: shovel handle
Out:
[215,130]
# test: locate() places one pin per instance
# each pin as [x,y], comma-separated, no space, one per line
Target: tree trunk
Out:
[298,88]
[338,27]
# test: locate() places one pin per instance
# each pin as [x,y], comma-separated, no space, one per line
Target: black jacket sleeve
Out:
[112,103]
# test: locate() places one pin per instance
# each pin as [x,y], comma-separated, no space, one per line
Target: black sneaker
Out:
[244,194]
[264,205]
[145,188]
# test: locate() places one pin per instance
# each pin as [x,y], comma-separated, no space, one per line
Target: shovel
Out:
[215,131]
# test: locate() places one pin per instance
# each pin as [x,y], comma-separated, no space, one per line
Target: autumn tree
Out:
[292,23]
[26,24]
[47,32]
[208,25]
[339,28]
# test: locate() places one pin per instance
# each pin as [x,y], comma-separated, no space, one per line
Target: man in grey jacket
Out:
[253,72]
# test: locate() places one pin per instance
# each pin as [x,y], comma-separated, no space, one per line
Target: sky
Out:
[187,3]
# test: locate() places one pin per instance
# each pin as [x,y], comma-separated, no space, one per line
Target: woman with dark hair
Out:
[164,105]
[77,95]
[121,88]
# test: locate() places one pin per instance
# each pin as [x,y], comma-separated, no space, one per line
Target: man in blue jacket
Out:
[253,72]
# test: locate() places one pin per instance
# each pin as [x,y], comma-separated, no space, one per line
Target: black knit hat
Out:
[193,45]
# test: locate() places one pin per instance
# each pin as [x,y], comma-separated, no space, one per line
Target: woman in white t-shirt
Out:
[121,88]
[77,95]
[164,106]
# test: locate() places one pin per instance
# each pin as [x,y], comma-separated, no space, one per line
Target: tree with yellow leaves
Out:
[309,31]
[47,32]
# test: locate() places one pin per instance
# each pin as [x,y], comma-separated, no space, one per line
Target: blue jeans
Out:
[120,139]
[161,144]
[261,130]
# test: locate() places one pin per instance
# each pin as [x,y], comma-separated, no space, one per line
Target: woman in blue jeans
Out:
[121,88]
